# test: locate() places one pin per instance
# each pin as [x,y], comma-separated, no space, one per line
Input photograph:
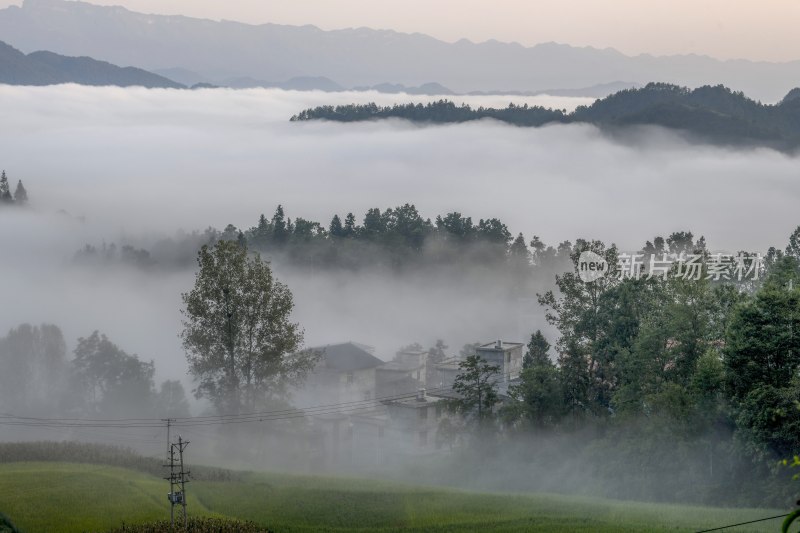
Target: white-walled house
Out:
[506,355]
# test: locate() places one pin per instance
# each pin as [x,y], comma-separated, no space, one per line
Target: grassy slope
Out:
[56,497]
[59,497]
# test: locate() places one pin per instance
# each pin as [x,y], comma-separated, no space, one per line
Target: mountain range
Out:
[360,57]
[47,68]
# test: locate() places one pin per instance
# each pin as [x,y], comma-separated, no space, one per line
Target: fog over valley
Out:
[363,279]
[135,166]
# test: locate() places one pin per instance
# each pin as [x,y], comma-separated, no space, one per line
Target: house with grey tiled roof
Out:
[345,372]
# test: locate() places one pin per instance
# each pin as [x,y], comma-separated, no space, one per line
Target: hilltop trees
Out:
[441,111]
[20,196]
[716,114]
[395,237]
[5,191]
[240,343]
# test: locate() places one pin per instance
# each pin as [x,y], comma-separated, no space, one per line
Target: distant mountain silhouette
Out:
[360,57]
[710,114]
[430,88]
[300,83]
[47,68]
[600,90]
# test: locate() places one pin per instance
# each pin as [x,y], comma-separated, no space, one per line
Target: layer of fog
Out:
[139,164]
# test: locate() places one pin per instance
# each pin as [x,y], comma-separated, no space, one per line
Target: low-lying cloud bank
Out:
[140,163]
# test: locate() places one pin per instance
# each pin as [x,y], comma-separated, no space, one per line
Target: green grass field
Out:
[64,497]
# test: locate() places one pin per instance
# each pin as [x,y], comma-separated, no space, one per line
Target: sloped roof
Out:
[402,366]
[346,357]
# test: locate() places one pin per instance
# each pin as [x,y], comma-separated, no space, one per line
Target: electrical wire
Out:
[743,523]
[215,420]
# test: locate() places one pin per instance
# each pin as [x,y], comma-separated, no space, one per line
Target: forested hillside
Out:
[713,114]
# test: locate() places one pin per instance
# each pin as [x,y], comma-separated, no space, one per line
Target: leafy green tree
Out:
[762,357]
[171,400]
[476,385]
[456,226]
[493,231]
[586,361]
[240,343]
[538,398]
[436,354]
[519,249]
[413,347]
[115,382]
[468,350]
[405,226]
[793,248]
[306,230]
[373,225]
[33,368]
[763,344]
[768,421]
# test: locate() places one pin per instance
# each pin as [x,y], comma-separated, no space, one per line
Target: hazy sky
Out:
[721,28]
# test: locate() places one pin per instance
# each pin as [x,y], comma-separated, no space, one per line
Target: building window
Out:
[350,378]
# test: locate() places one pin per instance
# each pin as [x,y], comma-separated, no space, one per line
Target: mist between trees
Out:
[659,389]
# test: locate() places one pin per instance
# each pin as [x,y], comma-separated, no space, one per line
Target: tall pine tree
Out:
[537,350]
[5,191]
[20,194]
[336,229]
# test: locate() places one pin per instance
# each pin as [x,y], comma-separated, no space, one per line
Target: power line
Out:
[211,420]
[743,523]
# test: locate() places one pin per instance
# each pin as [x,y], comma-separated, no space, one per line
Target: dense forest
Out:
[396,238]
[662,388]
[716,114]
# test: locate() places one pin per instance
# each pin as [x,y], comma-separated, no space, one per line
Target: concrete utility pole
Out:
[169,422]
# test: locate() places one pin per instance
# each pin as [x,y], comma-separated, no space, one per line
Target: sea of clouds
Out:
[136,163]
